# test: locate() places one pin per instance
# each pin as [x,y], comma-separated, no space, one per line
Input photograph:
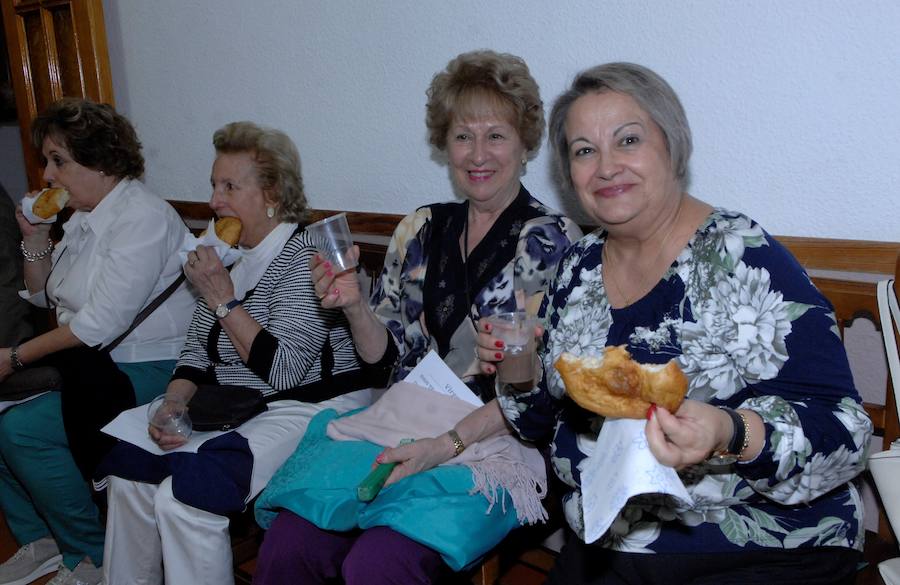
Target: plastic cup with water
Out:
[516,330]
[170,416]
[334,241]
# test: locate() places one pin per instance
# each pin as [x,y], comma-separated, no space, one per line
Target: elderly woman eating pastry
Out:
[117,255]
[772,429]
[260,327]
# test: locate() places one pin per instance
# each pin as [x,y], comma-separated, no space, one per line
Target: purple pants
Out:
[297,551]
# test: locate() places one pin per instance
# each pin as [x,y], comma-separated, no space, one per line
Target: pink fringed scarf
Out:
[498,463]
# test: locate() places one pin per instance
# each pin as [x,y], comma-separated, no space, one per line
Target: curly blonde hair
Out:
[485,79]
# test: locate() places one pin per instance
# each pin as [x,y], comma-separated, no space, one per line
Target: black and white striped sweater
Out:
[303,350]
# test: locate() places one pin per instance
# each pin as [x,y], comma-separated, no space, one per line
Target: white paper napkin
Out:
[621,467]
[226,253]
[27,204]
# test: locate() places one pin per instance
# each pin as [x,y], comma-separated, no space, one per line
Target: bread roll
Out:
[614,385]
[228,229]
[49,202]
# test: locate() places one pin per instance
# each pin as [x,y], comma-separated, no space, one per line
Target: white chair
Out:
[885,466]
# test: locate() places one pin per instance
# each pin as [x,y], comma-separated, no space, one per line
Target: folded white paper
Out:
[226,253]
[131,426]
[432,373]
[621,467]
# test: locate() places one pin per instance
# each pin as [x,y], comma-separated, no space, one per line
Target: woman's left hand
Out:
[166,441]
[421,455]
[207,273]
[690,435]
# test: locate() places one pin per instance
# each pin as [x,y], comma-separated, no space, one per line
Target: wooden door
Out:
[57,48]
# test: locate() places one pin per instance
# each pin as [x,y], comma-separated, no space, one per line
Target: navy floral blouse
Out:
[429,297]
[750,330]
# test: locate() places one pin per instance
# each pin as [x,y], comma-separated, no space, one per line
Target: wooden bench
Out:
[846,271]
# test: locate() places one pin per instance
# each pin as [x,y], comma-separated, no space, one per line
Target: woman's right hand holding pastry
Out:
[208,275]
[34,235]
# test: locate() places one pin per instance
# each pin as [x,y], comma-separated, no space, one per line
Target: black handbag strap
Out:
[139,318]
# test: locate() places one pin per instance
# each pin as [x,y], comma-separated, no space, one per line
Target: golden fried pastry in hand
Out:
[228,229]
[614,385]
[49,202]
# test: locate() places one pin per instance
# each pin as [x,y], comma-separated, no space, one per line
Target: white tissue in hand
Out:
[620,467]
[226,253]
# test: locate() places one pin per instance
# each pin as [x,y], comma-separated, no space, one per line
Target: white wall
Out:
[793,104]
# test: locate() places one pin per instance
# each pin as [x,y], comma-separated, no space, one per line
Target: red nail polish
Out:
[498,344]
[487,327]
[498,355]
[329,273]
[326,265]
[337,292]
[650,411]
[380,458]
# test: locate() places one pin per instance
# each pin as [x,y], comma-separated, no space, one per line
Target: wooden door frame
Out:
[93,63]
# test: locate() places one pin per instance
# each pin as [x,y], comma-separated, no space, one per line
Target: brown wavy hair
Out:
[95,135]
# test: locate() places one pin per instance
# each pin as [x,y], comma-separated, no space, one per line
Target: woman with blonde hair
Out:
[448,265]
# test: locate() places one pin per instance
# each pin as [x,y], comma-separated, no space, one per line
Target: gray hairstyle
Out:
[648,89]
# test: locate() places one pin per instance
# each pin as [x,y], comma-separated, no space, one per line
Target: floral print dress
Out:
[429,297]
[746,325]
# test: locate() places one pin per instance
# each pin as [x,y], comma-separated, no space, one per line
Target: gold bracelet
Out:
[746,444]
[458,445]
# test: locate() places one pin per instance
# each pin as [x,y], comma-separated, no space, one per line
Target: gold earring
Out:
[270,212]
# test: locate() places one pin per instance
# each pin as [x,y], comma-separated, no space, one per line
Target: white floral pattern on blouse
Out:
[749,329]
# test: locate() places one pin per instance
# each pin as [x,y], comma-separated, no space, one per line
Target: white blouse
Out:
[113,261]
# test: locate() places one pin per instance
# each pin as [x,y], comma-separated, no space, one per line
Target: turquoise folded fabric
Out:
[318,482]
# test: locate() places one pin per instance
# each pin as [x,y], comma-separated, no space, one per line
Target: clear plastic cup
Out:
[516,329]
[333,239]
[169,416]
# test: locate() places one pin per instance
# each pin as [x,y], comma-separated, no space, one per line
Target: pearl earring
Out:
[524,161]
[102,173]
[270,212]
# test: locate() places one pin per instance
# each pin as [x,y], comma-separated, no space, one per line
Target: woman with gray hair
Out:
[772,429]
[260,326]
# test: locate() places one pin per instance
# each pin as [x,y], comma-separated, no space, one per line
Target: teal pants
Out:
[42,493]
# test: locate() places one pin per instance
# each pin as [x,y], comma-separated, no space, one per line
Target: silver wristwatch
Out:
[223,311]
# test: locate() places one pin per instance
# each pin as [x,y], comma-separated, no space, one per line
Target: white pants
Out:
[150,534]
